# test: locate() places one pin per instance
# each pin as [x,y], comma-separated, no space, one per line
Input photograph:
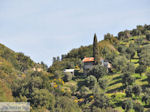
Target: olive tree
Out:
[98,71]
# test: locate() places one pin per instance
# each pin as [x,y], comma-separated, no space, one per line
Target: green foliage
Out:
[140,69]
[129,68]
[119,63]
[137,90]
[68,76]
[58,74]
[148,36]
[122,49]
[138,107]
[95,50]
[98,71]
[68,63]
[42,98]
[128,91]
[148,77]
[111,39]
[90,81]
[101,101]
[84,91]
[65,104]
[127,79]
[127,105]
[5,92]
[103,82]
[148,110]
[124,35]
[18,82]
[131,52]
[24,62]
[146,96]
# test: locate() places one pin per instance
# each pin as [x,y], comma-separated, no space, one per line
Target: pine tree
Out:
[95,50]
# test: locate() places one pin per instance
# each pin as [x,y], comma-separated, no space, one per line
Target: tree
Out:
[148,36]
[127,79]
[65,104]
[148,77]
[131,52]
[138,107]
[58,58]
[140,69]
[127,105]
[146,96]
[128,91]
[54,59]
[84,90]
[103,83]
[129,68]
[122,49]
[119,63]
[121,35]
[58,74]
[95,50]
[127,34]
[68,76]
[101,101]
[108,36]
[147,110]
[90,81]
[145,59]
[137,90]
[42,97]
[44,66]
[98,71]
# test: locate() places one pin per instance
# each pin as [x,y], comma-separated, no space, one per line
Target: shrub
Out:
[127,105]
[129,91]
[137,90]
[103,83]
[90,81]
[127,79]
[138,107]
[98,71]
[148,36]
[140,69]
[148,77]
[129,68]
[101,101]
[68,77]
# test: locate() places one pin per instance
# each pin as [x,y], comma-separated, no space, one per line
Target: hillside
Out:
[23,80]
[126,53]
[125,87]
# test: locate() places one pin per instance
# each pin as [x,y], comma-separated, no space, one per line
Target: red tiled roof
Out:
[89,59]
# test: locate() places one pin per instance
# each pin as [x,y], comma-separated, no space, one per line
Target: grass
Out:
[114,83]
[134,60]
[5,93]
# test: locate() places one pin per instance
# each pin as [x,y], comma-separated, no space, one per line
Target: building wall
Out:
[87,66]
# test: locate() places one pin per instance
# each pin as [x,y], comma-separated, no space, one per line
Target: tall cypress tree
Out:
[95,50]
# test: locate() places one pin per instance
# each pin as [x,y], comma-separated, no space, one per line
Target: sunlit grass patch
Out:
[134,60]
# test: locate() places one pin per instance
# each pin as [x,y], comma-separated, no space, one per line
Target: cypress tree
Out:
[95,50]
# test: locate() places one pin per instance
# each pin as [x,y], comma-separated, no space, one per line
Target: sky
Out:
[43,29]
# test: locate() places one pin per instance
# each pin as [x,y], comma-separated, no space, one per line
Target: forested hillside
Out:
[124,88]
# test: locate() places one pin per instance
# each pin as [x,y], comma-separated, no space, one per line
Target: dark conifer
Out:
[95,50]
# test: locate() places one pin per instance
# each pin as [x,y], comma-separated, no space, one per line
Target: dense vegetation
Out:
[124,88]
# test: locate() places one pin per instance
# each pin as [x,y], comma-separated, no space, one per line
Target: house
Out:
[89,62]
[69,71]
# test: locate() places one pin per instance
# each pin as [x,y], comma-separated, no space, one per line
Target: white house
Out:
[69,71]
